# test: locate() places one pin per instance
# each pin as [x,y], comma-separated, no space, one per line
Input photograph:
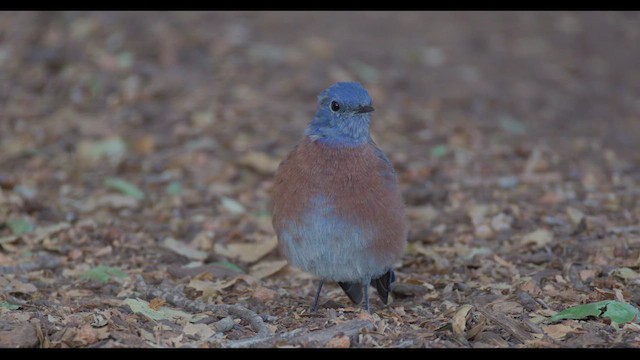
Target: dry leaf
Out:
[539,238]
[422,214]
[156,303]
[507,307]
[459,320]
[501,222]
[558,331]
[263,294]
[16,286]
[339,342]
[483,232]
[41,233]
[202,331]
[247,252]
[210,289]
[183,249]
[478,213]
[265,269]
[575,216]
[74,293]
[86,335]
[260,162]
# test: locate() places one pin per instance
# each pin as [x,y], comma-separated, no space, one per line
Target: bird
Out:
[335,202]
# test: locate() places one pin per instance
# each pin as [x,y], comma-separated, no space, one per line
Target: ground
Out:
[137,151]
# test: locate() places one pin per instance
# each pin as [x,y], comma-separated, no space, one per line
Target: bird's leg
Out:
[365,288]
[314,307]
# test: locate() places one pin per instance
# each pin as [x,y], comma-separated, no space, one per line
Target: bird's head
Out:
[343,116]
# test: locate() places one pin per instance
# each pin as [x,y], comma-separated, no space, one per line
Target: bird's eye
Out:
[335,106]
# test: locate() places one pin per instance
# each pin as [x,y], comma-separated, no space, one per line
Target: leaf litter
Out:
[145,177]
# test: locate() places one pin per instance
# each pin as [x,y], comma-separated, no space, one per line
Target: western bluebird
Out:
[336,207]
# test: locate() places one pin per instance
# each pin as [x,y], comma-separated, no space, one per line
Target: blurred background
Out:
[148,125]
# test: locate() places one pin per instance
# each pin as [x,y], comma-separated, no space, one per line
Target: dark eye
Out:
[335,106]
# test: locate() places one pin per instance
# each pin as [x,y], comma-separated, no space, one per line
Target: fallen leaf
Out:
[125,187]
[183,249]
[86,335]
[539,238]
[483,232]
[232,206]
[477,214]
[112,148]
[438,151]
[111,201]
[99,321]
[625,273]
[18,336]
[424,214]
[558,331]
[511,125]
[174,188]
[217,270]
[103,274]
[16,286]
[265,269]
[575,216]
[507,307]
[19,226]
[260,162]
[145,145]
[459,320]
[210,289]
[8,305]
[247,252]
[587,274]
[42,233]
[75,293]
[263,294]
[619,312]
[202,331]
[163,313]
[501,222]
[339,342]
[156,303]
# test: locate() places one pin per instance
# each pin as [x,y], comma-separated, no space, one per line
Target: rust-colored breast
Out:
[360,186]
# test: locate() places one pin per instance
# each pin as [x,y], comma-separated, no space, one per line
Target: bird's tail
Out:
[383,285]
[353,291]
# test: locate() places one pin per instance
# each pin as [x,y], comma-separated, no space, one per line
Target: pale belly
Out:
[330,248]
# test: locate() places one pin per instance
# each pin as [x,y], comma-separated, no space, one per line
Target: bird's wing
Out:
[386,169]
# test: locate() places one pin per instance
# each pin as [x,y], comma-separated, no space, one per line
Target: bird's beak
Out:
[364,109]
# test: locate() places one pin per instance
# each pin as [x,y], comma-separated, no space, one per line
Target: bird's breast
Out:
[336,198]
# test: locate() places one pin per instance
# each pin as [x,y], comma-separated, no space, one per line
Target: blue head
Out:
[343,116]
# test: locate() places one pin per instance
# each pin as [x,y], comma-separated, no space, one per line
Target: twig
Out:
[41,263]
[321,337]
[506,323]
[617,230]
[315,338]
[173,295]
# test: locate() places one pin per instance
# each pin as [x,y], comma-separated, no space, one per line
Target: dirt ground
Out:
[137,151]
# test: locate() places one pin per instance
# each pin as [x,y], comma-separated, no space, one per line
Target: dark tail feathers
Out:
[353,291]
[381,283]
